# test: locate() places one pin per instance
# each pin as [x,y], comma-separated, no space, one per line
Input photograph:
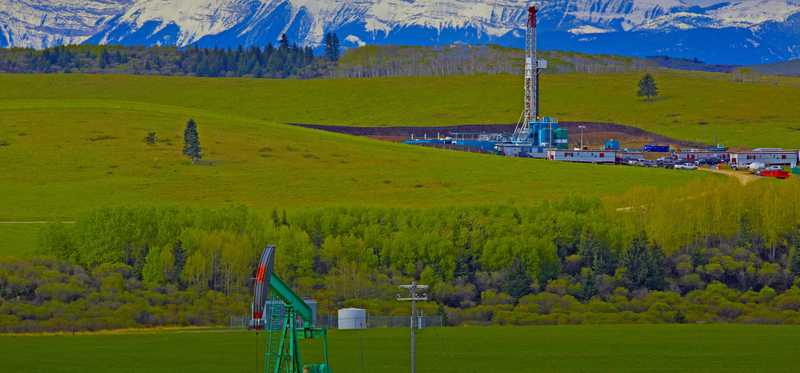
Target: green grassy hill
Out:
[68,156]
[693,106]
[393,60]
[75,142]
[617,348]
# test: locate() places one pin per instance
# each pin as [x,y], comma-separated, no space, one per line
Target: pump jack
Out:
[282,353]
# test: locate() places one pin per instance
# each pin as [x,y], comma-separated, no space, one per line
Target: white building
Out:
[769,157]
[525,150]
[583,156]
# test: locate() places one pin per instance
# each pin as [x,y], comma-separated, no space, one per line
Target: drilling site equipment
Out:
[534,134]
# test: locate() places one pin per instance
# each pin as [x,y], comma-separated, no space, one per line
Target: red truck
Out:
[778,174]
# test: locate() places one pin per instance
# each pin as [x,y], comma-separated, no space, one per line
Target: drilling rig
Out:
[533,134]
[287,319]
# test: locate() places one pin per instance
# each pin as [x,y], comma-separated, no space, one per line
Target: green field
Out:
[19,239]
[68,153]
[692,106]
[72,143]
[628,348]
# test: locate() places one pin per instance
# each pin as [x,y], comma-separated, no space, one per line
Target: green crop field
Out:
[617,348]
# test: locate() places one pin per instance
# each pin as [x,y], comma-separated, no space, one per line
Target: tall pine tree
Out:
[336,48]
[647,87]
[191,141]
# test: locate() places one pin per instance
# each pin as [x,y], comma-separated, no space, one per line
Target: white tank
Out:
[352,318]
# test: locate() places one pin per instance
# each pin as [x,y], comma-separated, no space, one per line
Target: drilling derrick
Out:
[531,69]
[534,134]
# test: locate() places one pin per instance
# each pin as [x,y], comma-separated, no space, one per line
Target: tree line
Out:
[286,59]
[381,61]
[710,252]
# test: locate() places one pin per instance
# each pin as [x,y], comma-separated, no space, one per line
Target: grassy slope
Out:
[628,348]
[19,239]
[693,106]
[78,155]
[53,169]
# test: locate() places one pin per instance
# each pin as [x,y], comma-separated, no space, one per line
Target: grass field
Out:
[19,239]
[71,143]
[68,155]
[692,106]
[629,348]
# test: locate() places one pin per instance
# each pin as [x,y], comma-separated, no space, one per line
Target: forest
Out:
[288,60]
[282,61]
[711,252]
[390,60]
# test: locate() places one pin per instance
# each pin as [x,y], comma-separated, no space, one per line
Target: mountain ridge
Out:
[737,32]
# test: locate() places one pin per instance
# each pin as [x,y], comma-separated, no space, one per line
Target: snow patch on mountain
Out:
[588,29]
[228,23]
[46,23]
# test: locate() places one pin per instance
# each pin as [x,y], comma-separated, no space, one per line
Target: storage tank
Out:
[612,144]
[561,138]
[352,318]
[544,136]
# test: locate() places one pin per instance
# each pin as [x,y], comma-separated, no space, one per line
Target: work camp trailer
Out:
[582,156]
[768,157]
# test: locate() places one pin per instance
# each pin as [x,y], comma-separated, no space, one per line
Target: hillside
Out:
[788,68]
[700,107]
[381,61]
[84,137]
[90,153]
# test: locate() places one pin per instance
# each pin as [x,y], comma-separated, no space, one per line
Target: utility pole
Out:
[581,127]
[413,297]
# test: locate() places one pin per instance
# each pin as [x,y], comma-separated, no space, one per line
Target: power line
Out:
[414,297]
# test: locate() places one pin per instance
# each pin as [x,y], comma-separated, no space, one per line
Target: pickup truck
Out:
[685,166]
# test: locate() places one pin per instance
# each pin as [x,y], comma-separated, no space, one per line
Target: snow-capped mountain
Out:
[743,31]
[44,23]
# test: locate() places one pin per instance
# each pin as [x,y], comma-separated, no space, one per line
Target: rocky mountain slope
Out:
[748,31]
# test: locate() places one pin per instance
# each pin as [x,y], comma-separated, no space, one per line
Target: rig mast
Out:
[533,66]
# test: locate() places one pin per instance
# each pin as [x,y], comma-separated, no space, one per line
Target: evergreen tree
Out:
[102,59]
[179,262]
[151,138]
[331,47]
[644,264]
[328,41]
[518,281]
[655,270]
[336,48]
[275,219]
[635,261]
[191,141]
[284,42]
[647,87]
[794,261]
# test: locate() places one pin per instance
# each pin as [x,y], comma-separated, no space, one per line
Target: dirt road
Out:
[594,133]
[743,177]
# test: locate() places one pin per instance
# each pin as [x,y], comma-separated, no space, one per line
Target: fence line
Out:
[332,321]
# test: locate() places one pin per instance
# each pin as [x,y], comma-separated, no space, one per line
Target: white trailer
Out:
[583,156]
[517,149]
[768,157]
